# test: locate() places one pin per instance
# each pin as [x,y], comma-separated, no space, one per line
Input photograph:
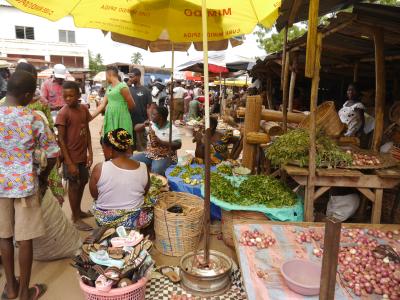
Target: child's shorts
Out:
[83,173]
[21,218]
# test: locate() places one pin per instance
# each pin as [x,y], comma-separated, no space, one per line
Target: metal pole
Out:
[208,135]
[171,93]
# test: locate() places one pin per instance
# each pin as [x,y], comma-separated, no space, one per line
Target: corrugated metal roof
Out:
[325,7]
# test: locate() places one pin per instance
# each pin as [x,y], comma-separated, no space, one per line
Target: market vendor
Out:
[219,143]
[352,112]
[119,184]
[159,153]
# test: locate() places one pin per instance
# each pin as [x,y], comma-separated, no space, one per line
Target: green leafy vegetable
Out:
[262,190]
[294,147]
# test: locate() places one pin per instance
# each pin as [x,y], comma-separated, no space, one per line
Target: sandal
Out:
[96,235]
[170,273]
[109,232]
[82,226]
[38,291]
[4,295]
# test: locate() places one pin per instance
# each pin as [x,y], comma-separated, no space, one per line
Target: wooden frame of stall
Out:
[312,178]
[358,24]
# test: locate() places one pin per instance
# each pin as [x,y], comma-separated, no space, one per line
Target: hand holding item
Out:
[73,170]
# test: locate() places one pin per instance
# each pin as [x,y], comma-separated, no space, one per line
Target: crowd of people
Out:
[45,140]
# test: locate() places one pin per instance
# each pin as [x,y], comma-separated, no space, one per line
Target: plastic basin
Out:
[302,277]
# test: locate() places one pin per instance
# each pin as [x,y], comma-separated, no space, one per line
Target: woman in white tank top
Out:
[119,185]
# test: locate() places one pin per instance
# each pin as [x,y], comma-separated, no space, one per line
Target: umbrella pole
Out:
[220,94]
[208,136]
[171,93]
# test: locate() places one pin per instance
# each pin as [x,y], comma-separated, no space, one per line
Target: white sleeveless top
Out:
[120,188]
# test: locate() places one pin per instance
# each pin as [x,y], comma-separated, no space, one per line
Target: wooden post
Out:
[355,71]
[311,38]
[285,92]
[380,88]
[251,123]
[269,93]
[293,81]
[284,54]
[309,201]
[330,258]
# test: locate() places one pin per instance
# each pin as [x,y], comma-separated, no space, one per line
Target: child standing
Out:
[21,186]
[75,141]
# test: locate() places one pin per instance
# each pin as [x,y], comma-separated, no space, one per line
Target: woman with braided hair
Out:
[120,184]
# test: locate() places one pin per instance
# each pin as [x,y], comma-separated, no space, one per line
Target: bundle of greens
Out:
[186,172]
[262,190]
[294,147]
[266,190]
[224,169]
[155,185]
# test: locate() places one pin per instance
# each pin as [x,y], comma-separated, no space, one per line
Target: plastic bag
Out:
[61,239]
[343,207]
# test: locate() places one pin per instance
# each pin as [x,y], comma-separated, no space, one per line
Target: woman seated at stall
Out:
[159,153]
[119,184]
[352,112]
[219,144]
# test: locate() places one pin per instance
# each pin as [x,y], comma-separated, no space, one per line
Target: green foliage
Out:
[137,58]
[275,42]
[95,63]
[388,2]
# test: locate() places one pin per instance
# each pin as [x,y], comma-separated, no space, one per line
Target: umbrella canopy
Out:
[163,44]
[220,63]
[100,77]
[49,72]
[179,20]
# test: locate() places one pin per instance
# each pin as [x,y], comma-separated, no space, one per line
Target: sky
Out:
[116,52]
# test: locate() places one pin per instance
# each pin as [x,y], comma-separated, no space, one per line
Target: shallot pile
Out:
[256,239]
[363,271]
[361,159]
[307,236]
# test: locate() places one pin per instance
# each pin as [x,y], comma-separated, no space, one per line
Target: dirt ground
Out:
[59,276]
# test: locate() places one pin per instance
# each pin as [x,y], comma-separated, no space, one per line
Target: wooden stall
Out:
[361,45]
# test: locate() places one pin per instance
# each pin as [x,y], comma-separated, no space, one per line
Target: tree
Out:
[95,63]
[275,42]
[137,58]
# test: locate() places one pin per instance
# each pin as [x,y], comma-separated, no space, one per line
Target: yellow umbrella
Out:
[148,19]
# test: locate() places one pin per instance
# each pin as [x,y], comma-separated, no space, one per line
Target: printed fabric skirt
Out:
[129,218]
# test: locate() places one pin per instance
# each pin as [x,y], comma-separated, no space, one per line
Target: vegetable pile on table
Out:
[262,190]
[294,147]
[186,173]
[362,159]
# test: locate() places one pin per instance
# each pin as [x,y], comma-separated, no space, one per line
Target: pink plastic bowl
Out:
[302,277]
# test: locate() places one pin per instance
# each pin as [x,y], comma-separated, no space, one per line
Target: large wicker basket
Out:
[177,234]
[327,119]
[229,217]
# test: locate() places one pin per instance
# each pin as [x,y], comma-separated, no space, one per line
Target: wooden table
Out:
[250,259]
[370,185]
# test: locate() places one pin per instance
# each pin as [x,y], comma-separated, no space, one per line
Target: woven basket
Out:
[228,218]
[327,119]
[177,234]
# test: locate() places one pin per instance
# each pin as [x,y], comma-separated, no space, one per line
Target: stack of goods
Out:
[114,259]
[293,147]
[252,190]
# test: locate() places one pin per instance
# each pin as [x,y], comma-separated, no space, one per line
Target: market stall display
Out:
[365,269]
[263,194]
[293,148]
[114,262]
